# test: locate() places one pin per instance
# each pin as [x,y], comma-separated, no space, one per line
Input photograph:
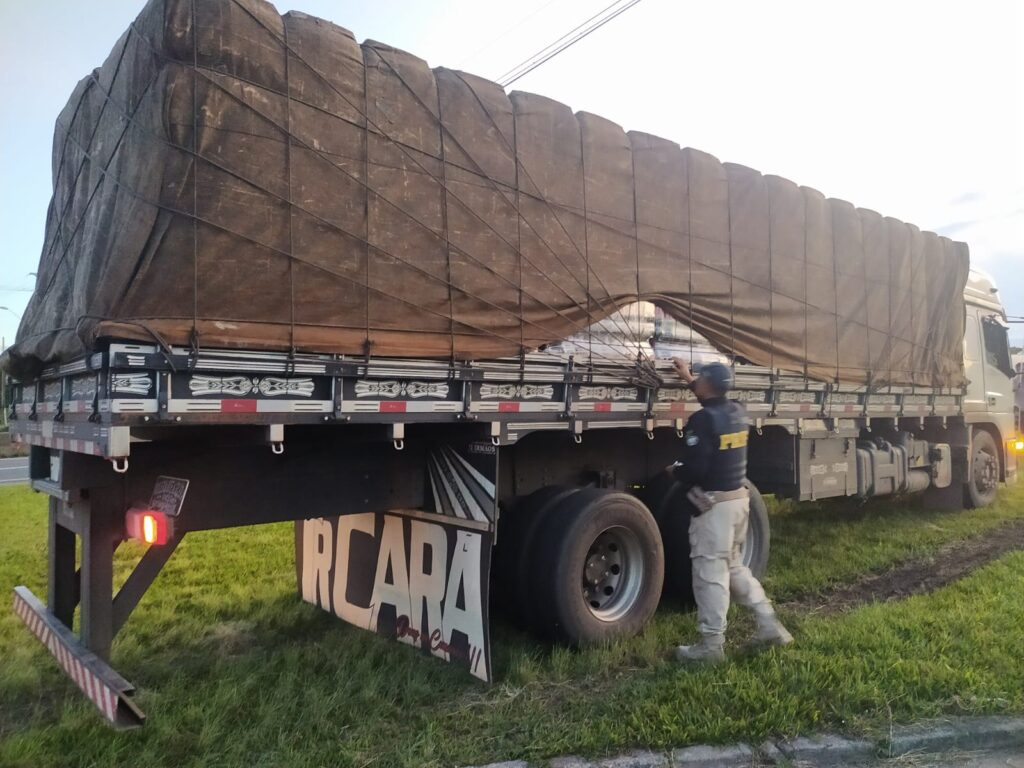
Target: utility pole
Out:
[3,376]
[3,388]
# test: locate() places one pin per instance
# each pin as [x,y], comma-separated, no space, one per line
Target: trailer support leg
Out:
[62,584]
[98,543]
[94,516]
[139,580]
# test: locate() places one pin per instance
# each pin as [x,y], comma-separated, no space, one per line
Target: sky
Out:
[914,109]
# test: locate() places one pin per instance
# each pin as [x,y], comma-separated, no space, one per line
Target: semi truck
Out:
[492,442]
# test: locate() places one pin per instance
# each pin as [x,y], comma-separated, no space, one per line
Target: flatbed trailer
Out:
[403,474]
[233,180]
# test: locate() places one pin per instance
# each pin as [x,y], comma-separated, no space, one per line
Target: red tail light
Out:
[147,525]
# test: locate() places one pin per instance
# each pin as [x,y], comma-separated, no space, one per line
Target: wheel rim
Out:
[613,573]
[986,471]
[747,547]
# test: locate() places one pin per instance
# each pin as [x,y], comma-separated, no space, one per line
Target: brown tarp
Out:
[232,177]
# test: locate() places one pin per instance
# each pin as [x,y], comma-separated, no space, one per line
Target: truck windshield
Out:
[997,347]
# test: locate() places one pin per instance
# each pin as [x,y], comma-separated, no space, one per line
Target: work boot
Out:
[710,650]
[770,630]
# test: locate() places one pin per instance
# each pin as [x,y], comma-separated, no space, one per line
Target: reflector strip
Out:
[604,406]
[60,443]
[238,406]
[97,680]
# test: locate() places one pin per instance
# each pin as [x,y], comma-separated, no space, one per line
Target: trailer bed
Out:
[103,402]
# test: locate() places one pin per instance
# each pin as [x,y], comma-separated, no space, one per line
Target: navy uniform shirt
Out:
[715,446]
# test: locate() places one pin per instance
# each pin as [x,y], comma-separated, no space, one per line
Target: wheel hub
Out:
[612,573]
[986,471]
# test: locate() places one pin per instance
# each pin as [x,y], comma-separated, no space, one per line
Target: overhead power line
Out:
[567,40]
[490,43]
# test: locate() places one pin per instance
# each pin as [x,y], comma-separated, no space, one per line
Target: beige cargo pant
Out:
[716,541]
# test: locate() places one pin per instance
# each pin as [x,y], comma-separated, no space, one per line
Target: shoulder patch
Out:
[692,439]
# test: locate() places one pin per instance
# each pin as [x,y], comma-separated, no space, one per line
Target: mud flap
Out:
[418,576]
[99,682]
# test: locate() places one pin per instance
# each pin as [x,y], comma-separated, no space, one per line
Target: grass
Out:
[234,670]
[815,545]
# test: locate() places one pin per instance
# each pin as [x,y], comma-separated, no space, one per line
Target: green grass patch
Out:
[234,670]
[818,544]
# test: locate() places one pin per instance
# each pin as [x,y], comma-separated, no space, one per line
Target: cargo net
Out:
[232,177]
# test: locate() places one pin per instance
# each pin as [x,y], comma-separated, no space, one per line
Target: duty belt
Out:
[739,493]
[705,500]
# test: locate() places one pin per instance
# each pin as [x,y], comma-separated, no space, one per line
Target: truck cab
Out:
[989,399]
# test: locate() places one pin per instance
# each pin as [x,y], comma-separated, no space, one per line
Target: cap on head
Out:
[718,376]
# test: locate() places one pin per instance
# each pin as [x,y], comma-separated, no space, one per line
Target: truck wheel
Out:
[983,472]
[757,547]
[514,555]
[666,497]
[599,568]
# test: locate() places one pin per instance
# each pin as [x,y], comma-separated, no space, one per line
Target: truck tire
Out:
[514,555]
[667,499]
[599,567]
[982,471]
[757,547]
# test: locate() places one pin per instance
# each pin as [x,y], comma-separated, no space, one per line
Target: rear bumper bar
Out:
[110,692]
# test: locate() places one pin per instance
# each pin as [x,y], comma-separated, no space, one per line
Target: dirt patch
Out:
[919,576]
[231,638]
[10,449]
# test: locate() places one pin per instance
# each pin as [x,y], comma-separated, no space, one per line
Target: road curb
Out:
[825,750]
[635,759]
[713,757]
[822,750]
[941,734]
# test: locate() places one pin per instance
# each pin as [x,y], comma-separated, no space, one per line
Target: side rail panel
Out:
[99,404]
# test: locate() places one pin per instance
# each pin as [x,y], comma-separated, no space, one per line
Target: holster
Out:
[700,500]
[703,500]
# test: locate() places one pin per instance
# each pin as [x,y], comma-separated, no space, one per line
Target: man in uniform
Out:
[714,466]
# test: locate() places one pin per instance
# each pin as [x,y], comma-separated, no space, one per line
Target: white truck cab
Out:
[989,400]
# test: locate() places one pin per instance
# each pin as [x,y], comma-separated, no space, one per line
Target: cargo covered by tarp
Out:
[234,178]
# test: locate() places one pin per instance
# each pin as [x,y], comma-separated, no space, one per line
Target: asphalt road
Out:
[13,471]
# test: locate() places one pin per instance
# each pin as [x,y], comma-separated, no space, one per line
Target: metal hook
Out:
[680,433]
[122,467]
[577,439]
[277,448]
[495,441]
[650,435]
[399,443]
